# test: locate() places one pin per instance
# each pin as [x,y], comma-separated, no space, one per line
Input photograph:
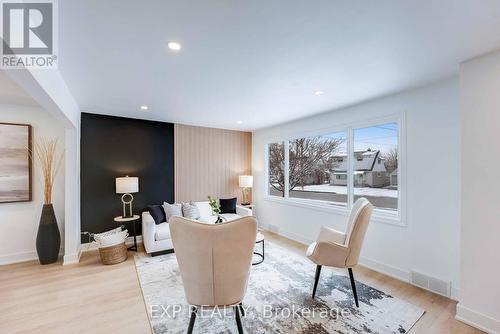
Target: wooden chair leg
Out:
[316,279]
[192,319]
[238,319]
[353,284]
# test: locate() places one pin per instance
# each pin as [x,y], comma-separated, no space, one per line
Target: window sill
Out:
[379,215]
[387,217]
[308,204]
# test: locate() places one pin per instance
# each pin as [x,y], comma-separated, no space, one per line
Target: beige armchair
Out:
[214,261]
[341,250]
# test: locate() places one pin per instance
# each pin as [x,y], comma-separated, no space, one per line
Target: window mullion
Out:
[267,173]
[350,168]
[286,146]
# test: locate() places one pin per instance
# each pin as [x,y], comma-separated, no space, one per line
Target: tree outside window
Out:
[318,167]
[277,169]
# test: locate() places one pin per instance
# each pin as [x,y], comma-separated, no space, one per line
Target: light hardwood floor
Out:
[92,298]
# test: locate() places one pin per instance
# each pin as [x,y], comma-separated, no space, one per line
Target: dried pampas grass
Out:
[46,153]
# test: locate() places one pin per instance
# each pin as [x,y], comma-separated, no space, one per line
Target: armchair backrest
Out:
[356,228]
[214,260]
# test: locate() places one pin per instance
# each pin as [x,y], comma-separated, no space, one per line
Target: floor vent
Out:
[430,283]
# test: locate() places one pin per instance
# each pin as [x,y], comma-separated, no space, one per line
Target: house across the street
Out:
[369,170]
[394,178]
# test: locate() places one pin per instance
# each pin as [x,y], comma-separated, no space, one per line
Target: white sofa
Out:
[156,238]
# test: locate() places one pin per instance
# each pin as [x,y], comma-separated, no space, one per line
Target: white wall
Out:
[50,91]
[430,241]
[480,244]
[19,221]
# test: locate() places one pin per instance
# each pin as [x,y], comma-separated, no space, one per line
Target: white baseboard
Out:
[386,269]
[477,319]
[68,259]
[455,293]
[130,240]
[21,257]
[72,258]
[289,235]
[18,257]
[377,266]
[398,274]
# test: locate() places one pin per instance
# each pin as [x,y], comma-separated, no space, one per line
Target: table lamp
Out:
[127,186]
[246,182]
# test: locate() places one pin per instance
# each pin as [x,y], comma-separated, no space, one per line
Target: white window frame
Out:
[379,215]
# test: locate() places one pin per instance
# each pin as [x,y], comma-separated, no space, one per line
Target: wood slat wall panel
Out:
[208,162]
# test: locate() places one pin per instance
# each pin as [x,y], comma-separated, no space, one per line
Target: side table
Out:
[128,220]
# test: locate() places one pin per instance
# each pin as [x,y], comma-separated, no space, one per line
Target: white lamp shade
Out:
[127,185]
[246,181]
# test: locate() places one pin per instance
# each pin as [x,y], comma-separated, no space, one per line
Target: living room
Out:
[249,167]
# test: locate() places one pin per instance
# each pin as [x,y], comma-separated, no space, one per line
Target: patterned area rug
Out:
[278,300]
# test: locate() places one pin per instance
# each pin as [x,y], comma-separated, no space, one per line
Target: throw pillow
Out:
[171,210]
[190,210]
[228,205]
[156,211]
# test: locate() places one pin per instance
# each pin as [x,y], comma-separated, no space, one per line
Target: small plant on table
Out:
[214,204]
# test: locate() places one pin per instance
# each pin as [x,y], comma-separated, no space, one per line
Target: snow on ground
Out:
[362,191]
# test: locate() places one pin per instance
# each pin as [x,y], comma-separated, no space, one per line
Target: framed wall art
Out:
[15,163]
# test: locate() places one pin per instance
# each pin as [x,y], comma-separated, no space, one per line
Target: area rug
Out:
[278,300]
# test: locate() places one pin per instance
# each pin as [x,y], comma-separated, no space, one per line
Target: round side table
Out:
[259,238]
[128,220]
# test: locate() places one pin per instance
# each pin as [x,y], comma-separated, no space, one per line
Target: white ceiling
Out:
[261,61]
[11,93]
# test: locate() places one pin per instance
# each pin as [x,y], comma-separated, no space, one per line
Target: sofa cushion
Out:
[208,219]
[190,210]
[162,232]
[156,211]
[227,217]
[171,210]
[205,209]
[228,205]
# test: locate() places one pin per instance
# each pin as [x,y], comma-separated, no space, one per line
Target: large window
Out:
[312,161]
[376,165]
[337,168]
[276,181]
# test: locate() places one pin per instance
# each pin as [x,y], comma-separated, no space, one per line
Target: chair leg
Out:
[240,305]
[192,319]
[316,279]
[238,319]
[353,284]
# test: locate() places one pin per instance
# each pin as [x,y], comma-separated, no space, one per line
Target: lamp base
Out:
[246,198]
[127,213]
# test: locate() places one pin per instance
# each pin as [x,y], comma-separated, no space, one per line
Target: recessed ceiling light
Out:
[319,92]
[144,107]
[174,46]
[239,122]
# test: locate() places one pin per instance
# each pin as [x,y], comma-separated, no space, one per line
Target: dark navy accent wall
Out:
[116,146]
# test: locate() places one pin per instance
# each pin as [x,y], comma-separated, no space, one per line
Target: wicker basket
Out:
[113,254]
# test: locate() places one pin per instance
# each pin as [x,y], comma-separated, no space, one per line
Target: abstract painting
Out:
[15,164]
